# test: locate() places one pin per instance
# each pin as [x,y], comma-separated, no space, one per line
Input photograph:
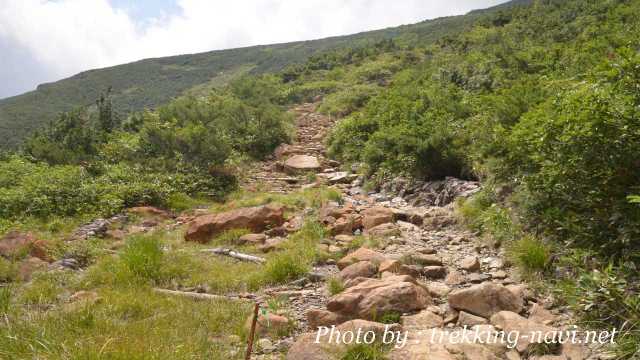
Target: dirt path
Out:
[423,270]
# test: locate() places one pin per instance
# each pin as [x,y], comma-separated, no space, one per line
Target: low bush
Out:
[530,253]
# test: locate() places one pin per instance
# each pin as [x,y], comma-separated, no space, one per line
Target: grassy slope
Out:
[152,82]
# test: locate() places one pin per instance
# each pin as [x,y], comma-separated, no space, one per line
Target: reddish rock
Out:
[470,264]
[319,317]
[306,347]
[362,254]
[485,300]
[426,259]
[374,297]
[17,244]
[386,229]
[343,226]
[256,219]
[375,216]
[511,322]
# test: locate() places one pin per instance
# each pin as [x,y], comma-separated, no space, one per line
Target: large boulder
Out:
[256,219]
[362,254]
[306,347]
[511,322]
[17,244]
[375,216]
[301,163]
[375,297]
[485,299]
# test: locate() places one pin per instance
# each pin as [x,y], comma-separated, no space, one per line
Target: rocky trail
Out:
[401,262]
[425,269]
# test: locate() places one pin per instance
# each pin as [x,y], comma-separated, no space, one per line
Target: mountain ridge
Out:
[151,82]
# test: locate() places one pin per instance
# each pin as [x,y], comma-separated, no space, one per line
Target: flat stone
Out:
[362,254]
[470,263]
[485,300]
[252,239]
[425,319]
[464,318]
[426,259]
[299,163]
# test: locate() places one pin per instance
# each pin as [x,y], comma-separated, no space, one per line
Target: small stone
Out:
[438,289]
[540,314]
[454,278]
[434,272]
[423,320]
[426,259]
[464,318]
[266,346]
[252,239]
[427,251]
[476,278]
[470,263]
[500,274]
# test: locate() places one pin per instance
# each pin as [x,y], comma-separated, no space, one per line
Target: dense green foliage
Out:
[151,83]
[88,164]
[543,98]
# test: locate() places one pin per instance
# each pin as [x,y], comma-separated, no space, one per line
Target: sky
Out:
[47,40]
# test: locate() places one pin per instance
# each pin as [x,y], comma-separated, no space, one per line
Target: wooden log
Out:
[197,296]
[290,180]
[235,255]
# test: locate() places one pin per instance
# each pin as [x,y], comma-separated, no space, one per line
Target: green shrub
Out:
[530,253]
[605,298]
[576,153]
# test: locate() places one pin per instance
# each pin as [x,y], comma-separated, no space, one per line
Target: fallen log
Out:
[198,296]
[285,179]
[235,255]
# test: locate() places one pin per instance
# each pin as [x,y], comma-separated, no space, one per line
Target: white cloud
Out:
[68,36]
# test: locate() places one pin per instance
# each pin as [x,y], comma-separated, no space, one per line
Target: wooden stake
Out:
[252,333]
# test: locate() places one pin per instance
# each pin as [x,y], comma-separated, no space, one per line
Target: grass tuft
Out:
[335,285]
[531,254]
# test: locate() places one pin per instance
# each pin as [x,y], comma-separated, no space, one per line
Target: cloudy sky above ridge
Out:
[46,40]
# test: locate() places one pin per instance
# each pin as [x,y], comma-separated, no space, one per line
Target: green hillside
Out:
[152,82]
